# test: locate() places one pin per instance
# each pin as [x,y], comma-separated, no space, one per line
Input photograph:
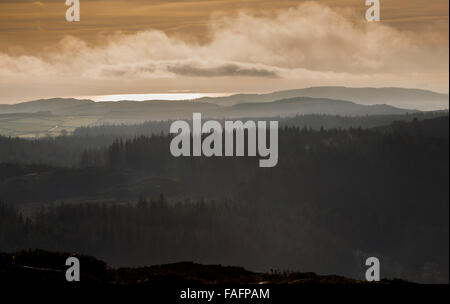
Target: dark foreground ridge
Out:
[49,267]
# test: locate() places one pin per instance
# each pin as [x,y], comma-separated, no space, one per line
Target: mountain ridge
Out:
[363,95]
[61,115]
[400,97]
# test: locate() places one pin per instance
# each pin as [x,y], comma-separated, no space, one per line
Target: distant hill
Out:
[53,105]
[161,110]
[154,109]
[399,97]
[435,127]
[313,121]
[54,116]
[307,105]
[50,117]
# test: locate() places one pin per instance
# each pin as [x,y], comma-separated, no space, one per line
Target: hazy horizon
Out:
[186,96]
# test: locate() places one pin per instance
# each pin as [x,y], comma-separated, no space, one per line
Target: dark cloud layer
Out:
[220,71]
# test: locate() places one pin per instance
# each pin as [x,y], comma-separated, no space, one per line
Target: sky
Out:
[218,47]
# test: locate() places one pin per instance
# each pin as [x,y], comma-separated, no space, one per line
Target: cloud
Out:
[306,43]
[220,71]
[152,69]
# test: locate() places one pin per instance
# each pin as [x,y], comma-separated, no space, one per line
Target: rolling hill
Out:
[57,116]
[161,110]
[399,97]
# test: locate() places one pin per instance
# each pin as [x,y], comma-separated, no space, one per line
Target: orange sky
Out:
[35,24]
[139,46]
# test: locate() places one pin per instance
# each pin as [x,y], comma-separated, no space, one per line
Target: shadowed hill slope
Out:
[49,267]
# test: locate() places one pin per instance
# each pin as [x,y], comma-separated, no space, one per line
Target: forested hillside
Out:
[336,197]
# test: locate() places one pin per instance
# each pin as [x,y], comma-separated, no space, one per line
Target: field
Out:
[36,125]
